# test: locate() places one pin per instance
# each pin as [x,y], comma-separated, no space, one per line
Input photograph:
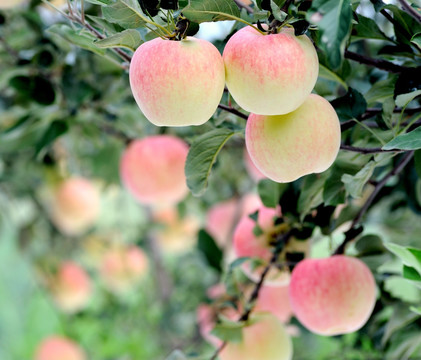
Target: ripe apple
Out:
[287,147]
[75,206]
[59,348]
[275,299]
[270,74]
[177,83]
[332,296]
[173,233]
[260,247]
[122,268]
[264,338]
[152,169]
[9,4]
[222,217]
[71,287]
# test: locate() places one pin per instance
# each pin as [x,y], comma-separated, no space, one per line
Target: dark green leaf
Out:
[381,90]
[270,192]
[417,160]
[408,141]
[257,231]
[350,106]
[127,14]
[333,18]
[311,194]
[202,155]
[213,254]
[416,40]
[410,273]
[34,88]
[367,28]
[334,189]
[129,39]
[56,129]
[150,7]
[327,74]
[369,245]
[211,10]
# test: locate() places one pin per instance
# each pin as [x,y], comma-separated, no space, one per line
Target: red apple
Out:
[59,348]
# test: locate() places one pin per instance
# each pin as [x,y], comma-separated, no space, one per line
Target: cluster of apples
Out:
[290,132]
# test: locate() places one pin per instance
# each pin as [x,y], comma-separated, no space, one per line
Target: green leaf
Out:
[410,257]
[213,254]
[202,155]
[270,192]
[325,73]
[367,28]
[404,99]
[229,331]
[369,245]
[277,13]
[129,39]
[80,38]
[408,141]
[416,310]
[416,40]
[176,355]
[211,10]
[127,14]
[100,2]
[56,129]
[381,91]
[311,194]
[333,18]
[355,184]
[411,273]
[350,106]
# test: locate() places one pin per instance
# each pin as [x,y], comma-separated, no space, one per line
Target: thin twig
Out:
[255,294]
[395,171]
[378,63]
[233,111]
[410,10]
[365,150]
[240,4]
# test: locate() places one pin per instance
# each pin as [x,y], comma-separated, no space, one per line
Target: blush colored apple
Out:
[59,348]
[287,147]
[152,169]
[264,338]
[270,74]
[71,287]
[75,206]
[177,83]
[123,267]
[332,296]
[9,4]
[274,299]
[222,217]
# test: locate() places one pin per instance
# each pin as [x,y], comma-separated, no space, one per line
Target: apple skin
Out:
[275,299]
[122,268]
[177,83]
[152,169]
[75,206]
[332,296]
[287,147]
[264,339]
[9,4]
[270,74]
[57,347]
[252,170]
[71,287]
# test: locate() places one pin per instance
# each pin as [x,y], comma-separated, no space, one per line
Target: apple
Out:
[332,296]
[122,268]
[9,4]
[175,234]
[75,206]
[270,74]
[274,299]
[152,169]
[287,147]
[264,338]
[222,217]
[71,287]
[59,348]
[260,247]
[177,83]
